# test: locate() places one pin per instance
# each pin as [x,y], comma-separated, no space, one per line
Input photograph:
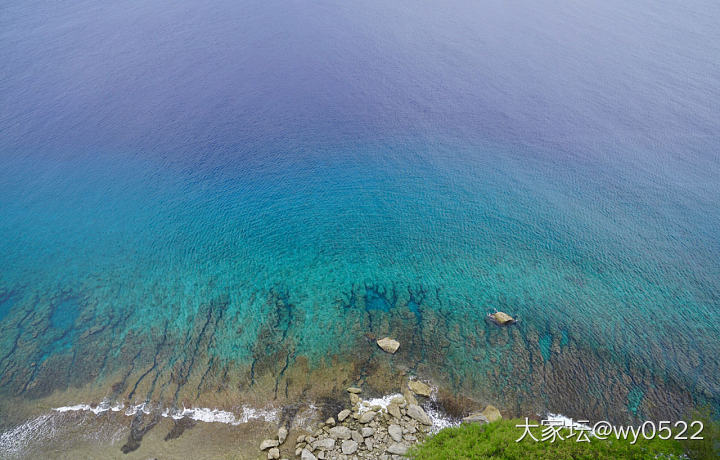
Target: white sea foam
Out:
[201,414]
[97,410]
[15,440]
[384,402]
[439,420]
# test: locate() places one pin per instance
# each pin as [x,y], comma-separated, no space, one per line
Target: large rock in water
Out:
[491,413]
[418,414]
[388,345]
[419,388]
[502,318]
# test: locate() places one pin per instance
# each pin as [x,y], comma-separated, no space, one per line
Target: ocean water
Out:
[207,202]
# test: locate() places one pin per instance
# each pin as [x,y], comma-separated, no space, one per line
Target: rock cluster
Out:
[365,431]
[272,445]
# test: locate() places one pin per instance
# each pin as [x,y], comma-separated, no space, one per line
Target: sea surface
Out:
[203,203]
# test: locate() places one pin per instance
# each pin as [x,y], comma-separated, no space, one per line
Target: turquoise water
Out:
[196,196]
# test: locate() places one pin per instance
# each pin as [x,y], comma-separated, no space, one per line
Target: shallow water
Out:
[205,203]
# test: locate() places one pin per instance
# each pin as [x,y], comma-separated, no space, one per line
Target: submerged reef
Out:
[274,349]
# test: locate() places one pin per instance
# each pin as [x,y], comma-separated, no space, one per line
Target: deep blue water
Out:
[197,185]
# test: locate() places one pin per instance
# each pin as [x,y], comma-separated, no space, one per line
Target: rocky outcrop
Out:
[272,445]
[367,432]
[384,430]
[417,413]
[388,345]
[502,319]
[491,413]
[419,388]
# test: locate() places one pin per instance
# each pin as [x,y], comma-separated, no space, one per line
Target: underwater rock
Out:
[355,390]
[419,388]
[388,345]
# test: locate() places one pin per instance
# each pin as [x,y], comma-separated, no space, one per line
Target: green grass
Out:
[497,441]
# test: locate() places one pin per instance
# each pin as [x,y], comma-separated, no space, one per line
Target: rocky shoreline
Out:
[382,431]
[377,429]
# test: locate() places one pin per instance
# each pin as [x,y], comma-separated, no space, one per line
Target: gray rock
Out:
[419,388]
[388,345]
[367,417]
[418,414]
[324,444]
[343,414]
[369,443]
[357,437]
[394,410]
[273,454]
[282,434]
[355,390]
[340,432]
[367,431]
[475,417]
[268,443]
[330,422]
[349,447]
[300,439]
[397,449]
[354,399]
[307,455]
[491,413]
[395,432]
[409,396]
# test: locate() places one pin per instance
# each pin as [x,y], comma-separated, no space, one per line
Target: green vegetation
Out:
[709,446]
[497,441]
